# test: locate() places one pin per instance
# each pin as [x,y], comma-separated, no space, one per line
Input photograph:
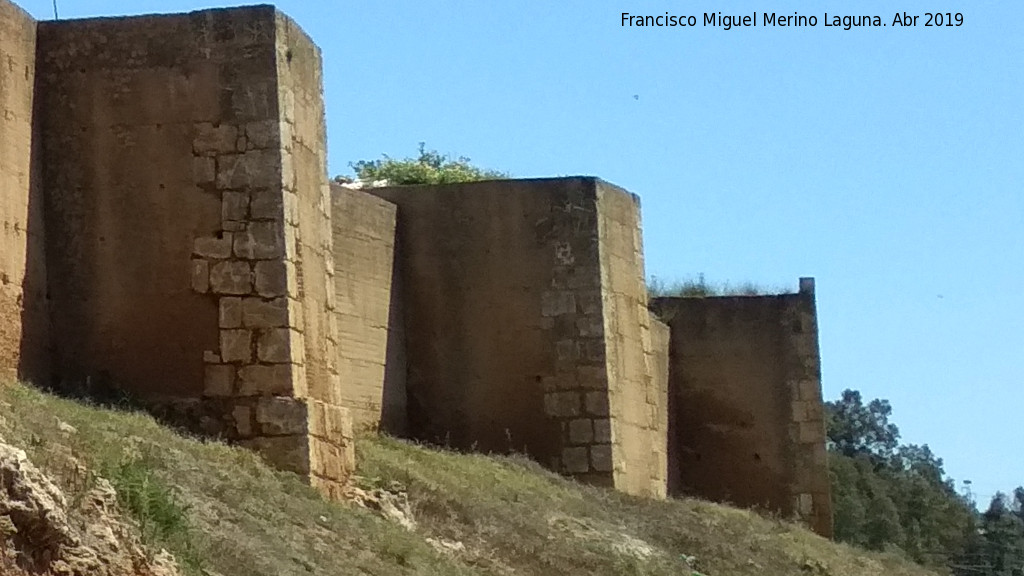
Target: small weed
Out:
[162,518]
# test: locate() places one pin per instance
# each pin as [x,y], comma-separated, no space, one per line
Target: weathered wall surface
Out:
[635,402]
[138,112]
[187,198]
[364,254]
[657,357]
[505,320]
[306,202]
[746,406]
[23,335]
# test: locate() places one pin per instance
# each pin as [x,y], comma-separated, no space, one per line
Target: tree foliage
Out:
[858,429]
[893,496]
[430,167]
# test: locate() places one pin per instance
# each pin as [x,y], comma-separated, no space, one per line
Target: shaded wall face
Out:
[502,306]
[746,423]
[23,337]
[364,253]
[157,134]
[187,194]
[636,404]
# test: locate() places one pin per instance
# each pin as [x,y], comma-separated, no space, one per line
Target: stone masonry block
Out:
[242,416]
[581,431]
[204,170]
[590,302]
[330,421]
[219,380]
[799,409]
[291,244]
[274,345]
[328,460]
[295,318]
[234,206]
[213,246]
[290,202]
[272,278]
[260,241]
[253,169]
[603,431]
[211,357]
[263,134]
[211,140]
[236,345]
[590,326]
[263,379]
[267,204]
[566,351]
[290,453]
[562,404]
[810,390]
[575,461]
[601,457]
[557,303]
[230,312]
[260,313]
[592,377]
[804,505]
[231,277]
[596,403]
[280,416]
[200,275]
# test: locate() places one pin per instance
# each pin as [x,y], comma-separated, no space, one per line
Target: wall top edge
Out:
[589,180]
[19,12]
[268,10]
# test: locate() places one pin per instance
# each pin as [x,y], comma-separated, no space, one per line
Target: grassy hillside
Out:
[221,511]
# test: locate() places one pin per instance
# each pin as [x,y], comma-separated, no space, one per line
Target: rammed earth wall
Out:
[168,230]
[369,324]
[526,325]
[189,211]
[747,420]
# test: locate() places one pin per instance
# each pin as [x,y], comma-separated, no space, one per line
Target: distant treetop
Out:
[431,167]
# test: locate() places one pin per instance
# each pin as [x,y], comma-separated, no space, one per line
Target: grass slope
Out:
[222,511]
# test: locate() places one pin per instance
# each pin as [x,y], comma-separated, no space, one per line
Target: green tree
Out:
[1003,531]
[430,167]
[892,496]
[855,428]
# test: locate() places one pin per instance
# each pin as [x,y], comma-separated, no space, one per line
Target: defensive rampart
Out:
[746,421]
[168,231]
[526,325]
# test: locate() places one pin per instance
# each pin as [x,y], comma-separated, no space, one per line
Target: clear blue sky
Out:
[886,162]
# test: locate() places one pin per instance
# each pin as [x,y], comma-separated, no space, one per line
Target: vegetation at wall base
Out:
[222,511]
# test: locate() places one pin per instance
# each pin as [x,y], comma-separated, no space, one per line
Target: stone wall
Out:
[364,254]
[508,292]
[637,406]
[746,403]
[23,321]
[308,250]
[189,224]
[168,229]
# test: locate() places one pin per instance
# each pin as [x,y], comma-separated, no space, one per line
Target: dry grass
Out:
[510,516]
